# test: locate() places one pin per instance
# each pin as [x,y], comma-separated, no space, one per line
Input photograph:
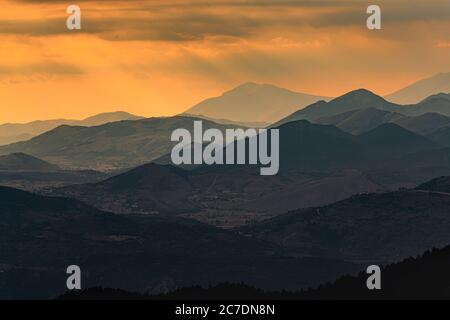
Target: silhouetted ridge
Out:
[360,96]
[354,100]
[391,138]
[422,89]
[441,184]
[424,277]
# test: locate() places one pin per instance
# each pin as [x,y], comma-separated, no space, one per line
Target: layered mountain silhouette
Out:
[378,228]
[389,139]
[131,143]
[364,99]
[356,186]
[14,132]
[424,124]
[121,144]
[251,102]
[23,162]
[357,99]
[441,136]
[41,236]
[421,89]
[151,189]
[313,158]
[226,198]
[322,147]
[238,124]
[362,120]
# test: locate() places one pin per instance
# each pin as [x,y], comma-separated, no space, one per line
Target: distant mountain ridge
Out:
[360,120]
[422,89]
[14,132]
[120,144]
[252,102]
[313,158]
[363,120]
[363,99]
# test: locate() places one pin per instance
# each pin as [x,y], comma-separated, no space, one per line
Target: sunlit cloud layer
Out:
[159,57]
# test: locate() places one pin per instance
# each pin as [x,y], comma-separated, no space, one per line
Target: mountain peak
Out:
[254,102]
[422,89]
[360,94]
[440,95]
[107,117]
[253,88]
[353,100]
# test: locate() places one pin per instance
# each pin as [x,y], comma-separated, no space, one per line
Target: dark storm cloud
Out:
[195,20]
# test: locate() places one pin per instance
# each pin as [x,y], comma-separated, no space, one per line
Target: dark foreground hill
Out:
[441,184]
[151,188]
[41,236]
[424,277]
[14,132]
[381,228]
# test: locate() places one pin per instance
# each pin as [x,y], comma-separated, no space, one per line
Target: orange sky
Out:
[159,57]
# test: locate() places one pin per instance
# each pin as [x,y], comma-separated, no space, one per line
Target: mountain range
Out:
[14,132]
[129,143]
[41,236]
[315,158]
[376,228]
[156,254]
[434,126]
[357,186]
[252,102]
[121,144]
[266,103]
[363,99]
[422,89]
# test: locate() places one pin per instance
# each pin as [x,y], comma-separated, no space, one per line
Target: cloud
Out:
[443,44]
[45,69]
[176,21]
